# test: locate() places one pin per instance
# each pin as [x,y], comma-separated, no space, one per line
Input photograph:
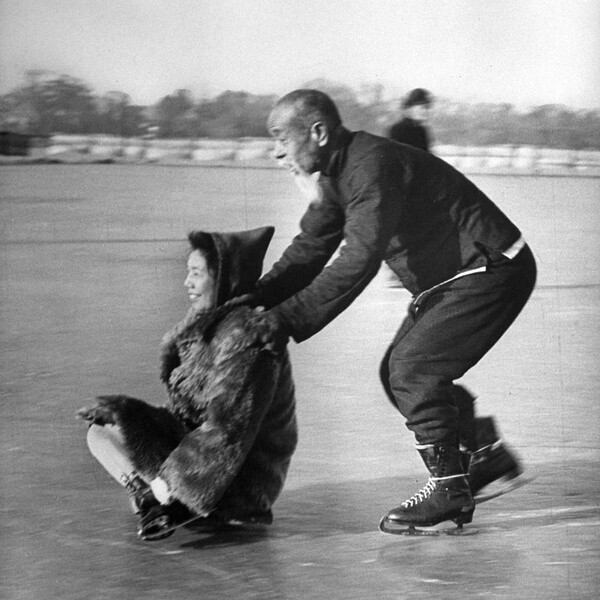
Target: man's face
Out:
[296,149]
[419,112]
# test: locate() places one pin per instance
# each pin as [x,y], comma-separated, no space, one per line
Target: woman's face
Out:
[200,282]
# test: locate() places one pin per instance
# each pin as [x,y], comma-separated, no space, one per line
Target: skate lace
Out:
[421,495]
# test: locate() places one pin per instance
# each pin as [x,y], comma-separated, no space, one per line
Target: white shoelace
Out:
[426,491]
[423,493]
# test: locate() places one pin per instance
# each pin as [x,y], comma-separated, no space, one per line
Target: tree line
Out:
[47,104]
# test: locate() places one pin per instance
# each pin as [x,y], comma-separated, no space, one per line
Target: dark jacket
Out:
[226,436]
[411,132]
[386,201]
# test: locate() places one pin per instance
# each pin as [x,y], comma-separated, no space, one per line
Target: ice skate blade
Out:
[502,487]
[197,524]
[162,528]
[157,531]
[444,528]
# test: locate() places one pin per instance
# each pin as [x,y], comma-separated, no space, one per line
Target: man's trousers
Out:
[448,329]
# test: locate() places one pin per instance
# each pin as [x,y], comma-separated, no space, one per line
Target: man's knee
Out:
[384,376]
[411,383]
[410,370]
[402,379]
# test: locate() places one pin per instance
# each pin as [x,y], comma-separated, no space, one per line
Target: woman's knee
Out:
[106,446]
[100,437]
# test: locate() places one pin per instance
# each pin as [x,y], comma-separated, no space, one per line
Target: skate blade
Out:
[502,487]
[161,529]
[444,528]
[157,530]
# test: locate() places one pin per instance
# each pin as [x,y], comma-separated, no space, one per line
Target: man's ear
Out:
[320,133]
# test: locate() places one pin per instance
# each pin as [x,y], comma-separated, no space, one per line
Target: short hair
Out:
[416,97]
[205,244]
[311,106]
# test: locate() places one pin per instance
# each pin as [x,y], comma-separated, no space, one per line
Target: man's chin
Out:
[293,170]
[296,170]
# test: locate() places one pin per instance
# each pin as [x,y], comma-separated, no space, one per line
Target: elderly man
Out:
[464,261]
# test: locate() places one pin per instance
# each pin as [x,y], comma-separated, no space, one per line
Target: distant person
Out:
[466,264]
[221,446]
[412,128]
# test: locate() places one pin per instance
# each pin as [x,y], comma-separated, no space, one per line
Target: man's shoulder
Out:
[360,148]
[361,138]
[369,152]
[364,143]
[376,156]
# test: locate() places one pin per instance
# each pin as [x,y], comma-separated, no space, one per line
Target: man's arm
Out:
[321,231]
[376,188]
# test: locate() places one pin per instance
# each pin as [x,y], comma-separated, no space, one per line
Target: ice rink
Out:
[92,261]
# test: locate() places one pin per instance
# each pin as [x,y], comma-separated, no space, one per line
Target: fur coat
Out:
[224,440]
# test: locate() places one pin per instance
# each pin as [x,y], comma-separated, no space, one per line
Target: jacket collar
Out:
[337,158]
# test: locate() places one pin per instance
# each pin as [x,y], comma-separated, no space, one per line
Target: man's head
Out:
[417,104]
[303,123]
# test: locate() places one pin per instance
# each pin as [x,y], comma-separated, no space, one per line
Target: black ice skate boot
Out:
[155,519]
[493,462]
[445,497]
[163,520]
[141,497]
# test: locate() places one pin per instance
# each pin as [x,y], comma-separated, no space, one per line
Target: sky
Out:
[525,52]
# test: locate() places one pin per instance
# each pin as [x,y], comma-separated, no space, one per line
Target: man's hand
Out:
[252,299]
[270,330]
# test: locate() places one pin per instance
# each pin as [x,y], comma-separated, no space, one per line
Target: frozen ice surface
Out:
[91,271]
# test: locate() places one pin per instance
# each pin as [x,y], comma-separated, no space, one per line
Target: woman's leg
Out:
[107,447]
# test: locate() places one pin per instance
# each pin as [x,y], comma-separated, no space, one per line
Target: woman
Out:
[221,446]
